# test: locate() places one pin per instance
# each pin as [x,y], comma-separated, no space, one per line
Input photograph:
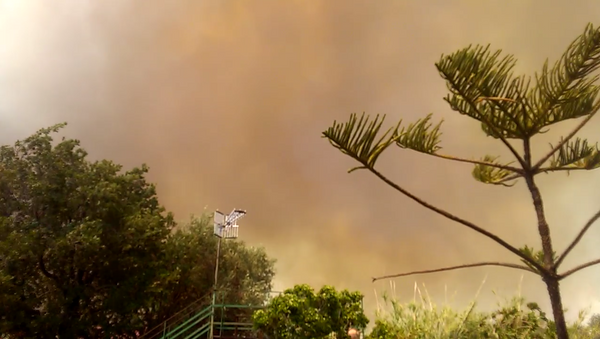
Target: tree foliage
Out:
[86,250]
[301,313]
[482,86]
[245,273]
[79,240]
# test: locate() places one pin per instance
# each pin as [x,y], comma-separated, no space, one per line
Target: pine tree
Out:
[512,110]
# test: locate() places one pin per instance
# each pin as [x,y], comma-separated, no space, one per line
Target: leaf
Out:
[489,174]
[482,87]
[576,154]
[356,138]
[566,91]
[421,136]
[538,256]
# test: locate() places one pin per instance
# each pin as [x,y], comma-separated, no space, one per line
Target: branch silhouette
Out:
[578,268]
[567,138]
[578,238]
[459,220]
[487,122]
[477,162]
[559,169]
[451,268]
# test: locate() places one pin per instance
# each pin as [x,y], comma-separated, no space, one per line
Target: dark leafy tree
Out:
[510,108]
[86,251]
[301,313]
[80,241]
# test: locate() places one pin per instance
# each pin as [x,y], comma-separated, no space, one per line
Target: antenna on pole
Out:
[225,227]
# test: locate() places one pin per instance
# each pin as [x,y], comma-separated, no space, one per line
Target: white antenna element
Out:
[225,226]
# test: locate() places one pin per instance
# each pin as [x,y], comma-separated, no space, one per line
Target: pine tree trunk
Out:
[557,308]
[551,280]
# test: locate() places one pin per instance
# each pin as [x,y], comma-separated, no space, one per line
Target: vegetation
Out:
[514,110]
[303,314]
[187,275]
[514,319]
[86,250]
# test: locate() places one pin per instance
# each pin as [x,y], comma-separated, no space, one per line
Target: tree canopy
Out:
[245,273]
[86,250]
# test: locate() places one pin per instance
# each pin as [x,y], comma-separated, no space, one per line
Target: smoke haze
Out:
[226,101]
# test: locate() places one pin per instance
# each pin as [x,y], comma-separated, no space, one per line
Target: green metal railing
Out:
[188,313]
[224,327]
[195,327]
[193,322]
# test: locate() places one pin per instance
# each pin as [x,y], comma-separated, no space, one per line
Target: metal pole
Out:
[214,296]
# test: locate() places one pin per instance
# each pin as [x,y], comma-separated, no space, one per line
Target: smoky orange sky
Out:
[226,101]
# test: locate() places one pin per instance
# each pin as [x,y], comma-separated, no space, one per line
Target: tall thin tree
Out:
[482,86]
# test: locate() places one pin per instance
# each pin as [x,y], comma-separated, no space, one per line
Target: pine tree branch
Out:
[509,178]
[496,101]
[459,220]
[476,162]
[579,268]
[578,238]
[566,139]
[559,169]
[491,175]
[490,126]
[559,89]
[451,268]
[544,170]
[510,148]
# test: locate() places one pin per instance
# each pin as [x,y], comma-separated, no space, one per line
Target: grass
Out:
[514,318]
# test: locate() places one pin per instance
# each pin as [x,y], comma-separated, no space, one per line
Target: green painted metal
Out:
[189,325]
[162,330]
[237,306]
[193,322]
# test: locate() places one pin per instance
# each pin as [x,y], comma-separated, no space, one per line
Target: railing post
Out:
[222,314]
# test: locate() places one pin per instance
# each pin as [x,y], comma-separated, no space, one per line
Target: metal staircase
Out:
[193,322]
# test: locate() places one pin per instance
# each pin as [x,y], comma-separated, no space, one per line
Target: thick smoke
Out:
[226,100]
